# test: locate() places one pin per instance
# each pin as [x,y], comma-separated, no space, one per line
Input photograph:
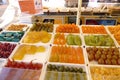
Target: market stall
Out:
[44,50]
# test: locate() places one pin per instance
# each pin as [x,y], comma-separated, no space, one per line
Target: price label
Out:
[31,6]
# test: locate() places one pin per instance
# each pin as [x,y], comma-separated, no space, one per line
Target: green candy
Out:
[15,40]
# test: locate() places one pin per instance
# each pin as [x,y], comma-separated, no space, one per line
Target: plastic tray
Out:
[112,35]
[115,41]
[48,43]
[37,56]
[65,32]
[93,62]
[11,37]
[25,28]
[111,26]
[66,73]
[2,58]
[104,72]
[63,57]
[41,30]
[96,26]
[101,41]
[19,74]
[65,35]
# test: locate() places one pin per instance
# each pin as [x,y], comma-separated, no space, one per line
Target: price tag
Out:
[30,6]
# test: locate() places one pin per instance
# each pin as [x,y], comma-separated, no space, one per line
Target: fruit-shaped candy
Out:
[31,49]
[35,37]
[40,49]
[77,40]
[70,40]
[59,38]
[73,39]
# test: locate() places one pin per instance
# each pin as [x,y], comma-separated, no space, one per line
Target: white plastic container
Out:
[36,57]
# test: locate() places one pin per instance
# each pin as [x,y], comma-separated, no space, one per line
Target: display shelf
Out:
[45,56]
[90,70]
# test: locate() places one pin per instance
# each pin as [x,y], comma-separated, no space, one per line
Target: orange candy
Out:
[67,54]
[94,29]
[59,39]
[68,28]
[115,30]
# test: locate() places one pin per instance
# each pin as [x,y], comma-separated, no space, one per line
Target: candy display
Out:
[73,40]
[38,26]
[45,51]
[69,39]
[65,54]
[98,40]
[59,39]
[6,49]
[63,72]
[11,36]
[106,56]
[115,30]
[68,28]
[23,65]
[63,68]
[19,74]
[36,37]
[94,30]
[17,27]
[27,50]
[106,73]
[117,37]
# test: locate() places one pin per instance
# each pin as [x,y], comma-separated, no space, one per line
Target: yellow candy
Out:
[46,39]
[27,49]
[18,56]
[41,49]
[35,37]
[31,49]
